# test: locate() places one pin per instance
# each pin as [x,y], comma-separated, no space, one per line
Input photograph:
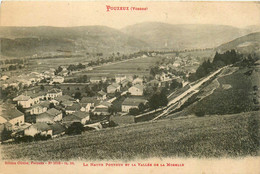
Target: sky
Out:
[68,13]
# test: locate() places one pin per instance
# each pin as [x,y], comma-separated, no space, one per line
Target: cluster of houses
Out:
[32,78]
[50,112]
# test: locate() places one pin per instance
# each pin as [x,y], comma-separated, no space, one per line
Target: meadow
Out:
[212,136]
[139,66]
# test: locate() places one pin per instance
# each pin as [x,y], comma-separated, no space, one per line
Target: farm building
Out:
[137,90]
[49,116]
[74,108]
[113,88]
[129,103]
[102,108]
[57,130]
[138,80]
[101,95]
[42,128]
[53,93]
[88,103]
[12,116]
[38,108]
[95,79]
[120,77]
[57,79]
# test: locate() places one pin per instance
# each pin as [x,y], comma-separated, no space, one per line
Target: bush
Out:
[39,137]
[133,111]
[23,139]
[75,128]
[200,113]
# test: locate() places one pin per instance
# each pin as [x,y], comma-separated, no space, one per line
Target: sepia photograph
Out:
[99,86]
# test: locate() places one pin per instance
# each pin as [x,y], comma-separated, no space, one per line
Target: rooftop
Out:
[138,86]
[133,101]
[57,128]
[54,90]
[74,107]
[41,126]
[11,114]
[81,114]
[53,112]
[22,98]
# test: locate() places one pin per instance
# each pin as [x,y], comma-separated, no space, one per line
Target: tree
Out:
[141,107]
[42,87]
[75,128]
[112,110]
[20,108]
[133,111]
[77,95]
[51,105]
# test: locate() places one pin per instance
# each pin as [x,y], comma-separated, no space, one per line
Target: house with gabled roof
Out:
[13,116]
[24,100]
[57,130]
[137,80]
[74,108]
[29,98]
[101,95]
[102,108]
[50,116]
[113,88]
[120,77]
[132,102]
[53,93]
[89,103]
[137,90]
[38,108]
[41,128]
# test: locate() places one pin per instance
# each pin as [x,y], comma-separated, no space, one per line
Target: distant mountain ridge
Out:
[246,44]
[28,41]
[185,36]
[24,41]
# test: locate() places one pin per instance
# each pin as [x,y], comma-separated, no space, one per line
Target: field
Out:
[41,65]
[139,66]
[213,136]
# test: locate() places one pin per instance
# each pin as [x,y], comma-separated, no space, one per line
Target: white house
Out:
[102,108]
[38,108]
[113,88]
[24,101]
[29,98]
[120,78]
[53,93]
[138,80]
[4,77]
[136,90]
[83,116]
[57,79]
[95,79]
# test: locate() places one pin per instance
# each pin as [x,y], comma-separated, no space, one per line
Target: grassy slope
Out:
[250,44]
[222,101]
[214,136]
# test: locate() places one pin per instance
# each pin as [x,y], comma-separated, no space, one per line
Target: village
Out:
[46,104]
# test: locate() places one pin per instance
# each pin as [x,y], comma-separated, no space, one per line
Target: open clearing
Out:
[211,136]
[138,66]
